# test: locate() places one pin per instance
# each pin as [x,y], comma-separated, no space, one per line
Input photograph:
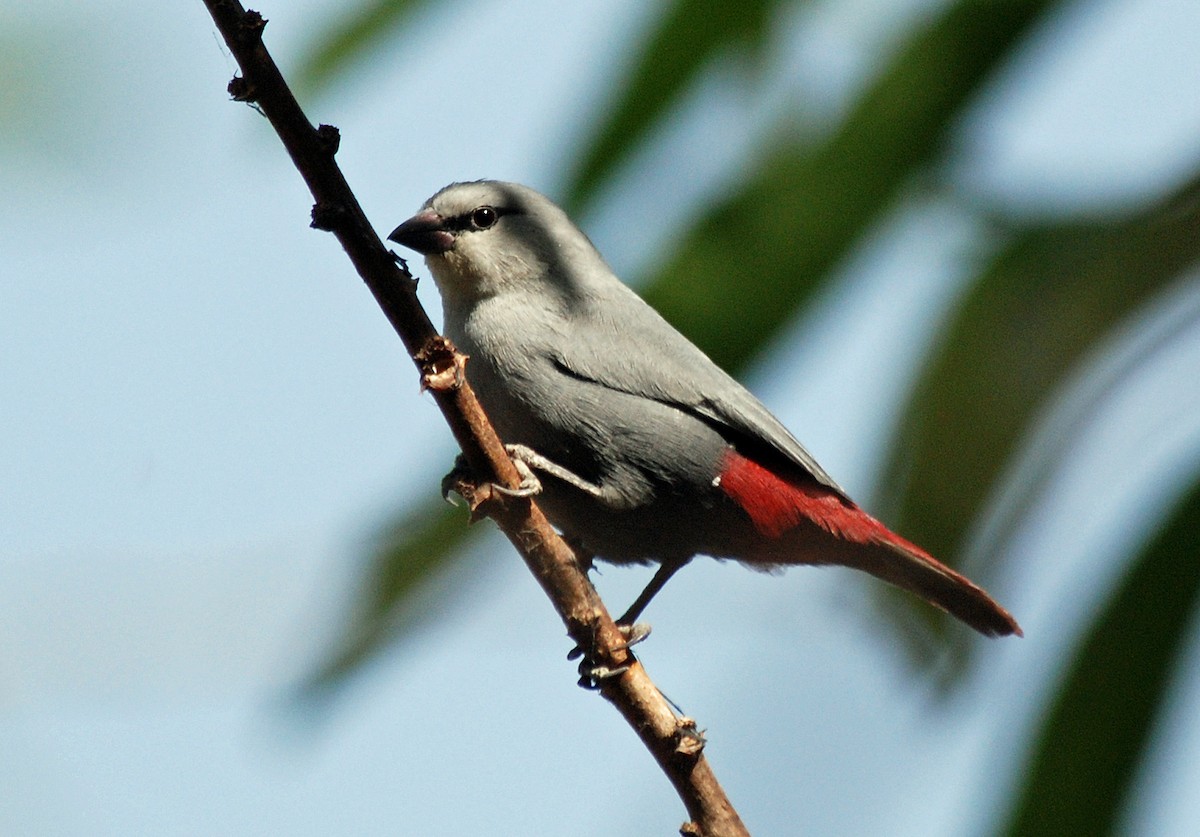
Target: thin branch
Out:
[675,742]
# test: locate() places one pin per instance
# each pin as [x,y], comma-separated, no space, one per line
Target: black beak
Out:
[425,232]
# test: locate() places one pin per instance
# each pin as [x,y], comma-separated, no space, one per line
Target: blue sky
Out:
[205,416]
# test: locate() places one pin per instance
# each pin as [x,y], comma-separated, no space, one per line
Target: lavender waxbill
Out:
[643,449]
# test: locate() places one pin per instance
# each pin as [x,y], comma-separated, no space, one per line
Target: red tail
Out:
[796,516]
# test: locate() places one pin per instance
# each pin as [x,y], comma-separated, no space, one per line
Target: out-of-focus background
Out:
[952,244]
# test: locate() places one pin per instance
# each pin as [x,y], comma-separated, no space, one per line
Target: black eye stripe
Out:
[467,222]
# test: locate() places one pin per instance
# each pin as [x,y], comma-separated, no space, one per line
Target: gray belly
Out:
[654,462]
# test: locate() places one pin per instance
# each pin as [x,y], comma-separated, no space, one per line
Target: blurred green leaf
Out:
[1051,296]
[1053,445]
[423,544]
[1100,724]
[802,210]
[365,28]
[687,37]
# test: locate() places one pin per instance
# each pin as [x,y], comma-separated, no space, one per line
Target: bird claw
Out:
[591,674]
[633,634]
[530,484]
[461,473]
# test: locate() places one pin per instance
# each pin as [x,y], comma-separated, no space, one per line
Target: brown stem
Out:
[675,742]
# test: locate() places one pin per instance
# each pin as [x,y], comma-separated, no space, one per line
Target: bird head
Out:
[486,237]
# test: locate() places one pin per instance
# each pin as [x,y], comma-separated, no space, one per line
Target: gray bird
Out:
[643,448]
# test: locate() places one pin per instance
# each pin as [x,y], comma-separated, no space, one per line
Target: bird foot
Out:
[635,633]
[591,673]
[463,481]
[590,677]
[530,484]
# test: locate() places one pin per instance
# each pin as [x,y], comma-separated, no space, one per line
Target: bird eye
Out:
[484,217]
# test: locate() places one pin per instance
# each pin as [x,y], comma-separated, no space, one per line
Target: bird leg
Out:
[526,459]
[661,577]
[590,674]
[532,459]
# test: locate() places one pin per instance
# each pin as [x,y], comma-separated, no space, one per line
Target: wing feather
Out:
[644,355]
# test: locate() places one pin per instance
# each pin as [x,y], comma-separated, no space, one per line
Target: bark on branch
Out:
[674,742]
